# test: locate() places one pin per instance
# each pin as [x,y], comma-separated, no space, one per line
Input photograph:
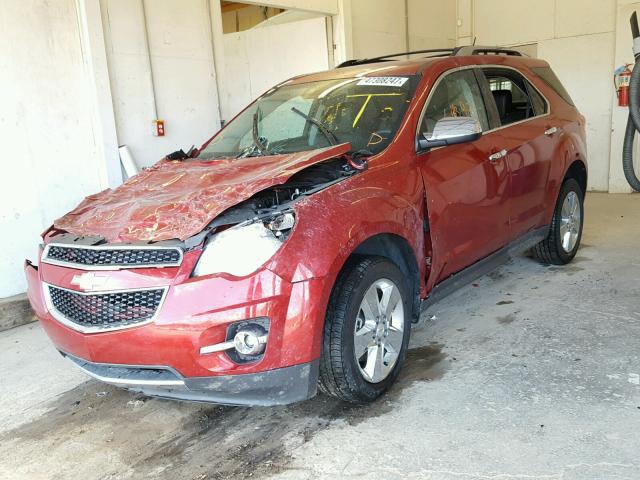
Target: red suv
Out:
[295,248]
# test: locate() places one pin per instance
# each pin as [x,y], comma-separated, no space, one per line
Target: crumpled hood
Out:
[176,199]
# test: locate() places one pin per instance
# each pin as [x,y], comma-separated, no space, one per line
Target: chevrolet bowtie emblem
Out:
[88,281]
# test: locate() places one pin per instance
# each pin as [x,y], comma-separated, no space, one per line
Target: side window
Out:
[540,106]
[515,98]
[457,95]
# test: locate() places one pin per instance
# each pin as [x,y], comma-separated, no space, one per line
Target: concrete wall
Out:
[380,26]
[432,24]
[577,38]
[51,146]
[623,55]
[259,58]
[181,60]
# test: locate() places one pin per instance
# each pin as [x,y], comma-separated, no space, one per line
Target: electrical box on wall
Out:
[158,128]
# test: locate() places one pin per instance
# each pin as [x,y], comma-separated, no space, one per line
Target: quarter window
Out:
[457,95]
[539,104]
[550,78]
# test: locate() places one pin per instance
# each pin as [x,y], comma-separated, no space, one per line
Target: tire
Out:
[348,316]
[557,249]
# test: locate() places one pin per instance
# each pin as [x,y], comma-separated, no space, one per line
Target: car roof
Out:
[417,66]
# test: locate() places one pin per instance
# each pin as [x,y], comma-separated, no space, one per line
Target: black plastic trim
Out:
[280,386]
[484,266]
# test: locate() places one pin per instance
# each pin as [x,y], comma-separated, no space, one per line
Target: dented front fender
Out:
[332,223]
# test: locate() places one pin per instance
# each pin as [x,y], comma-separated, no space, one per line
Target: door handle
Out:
[498,155]
[551,131]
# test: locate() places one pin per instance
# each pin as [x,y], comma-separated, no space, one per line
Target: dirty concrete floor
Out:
[532,372]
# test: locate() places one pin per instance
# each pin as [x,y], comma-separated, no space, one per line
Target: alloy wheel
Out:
[379,330]
[570,220]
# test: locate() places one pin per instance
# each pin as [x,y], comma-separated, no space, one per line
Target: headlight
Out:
[242,249]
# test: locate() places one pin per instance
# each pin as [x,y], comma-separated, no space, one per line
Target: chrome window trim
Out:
[79,266]
[59,316]
[446,73]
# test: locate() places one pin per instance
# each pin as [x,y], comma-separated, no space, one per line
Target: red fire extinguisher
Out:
[622,80]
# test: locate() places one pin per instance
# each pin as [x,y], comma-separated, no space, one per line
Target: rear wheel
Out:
[565,233]
[366,331]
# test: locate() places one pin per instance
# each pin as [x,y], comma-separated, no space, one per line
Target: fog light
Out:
[246,341]
[251,341]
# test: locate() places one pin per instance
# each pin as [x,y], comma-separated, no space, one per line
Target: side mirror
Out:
[451,131]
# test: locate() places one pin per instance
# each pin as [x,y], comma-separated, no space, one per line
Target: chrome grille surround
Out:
[75,309]
[129,375]
[111,257]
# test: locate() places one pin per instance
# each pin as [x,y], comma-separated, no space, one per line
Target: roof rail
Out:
[437,52]
[475,50]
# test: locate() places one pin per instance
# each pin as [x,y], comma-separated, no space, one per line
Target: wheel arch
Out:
[578,171]
[571,163]
[398,250]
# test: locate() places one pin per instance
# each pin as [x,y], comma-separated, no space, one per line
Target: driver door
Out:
[466,184]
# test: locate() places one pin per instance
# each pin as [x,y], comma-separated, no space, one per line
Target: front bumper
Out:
[273,387]
[196,313]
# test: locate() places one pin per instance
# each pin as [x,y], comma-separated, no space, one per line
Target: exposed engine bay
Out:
[267,205]
[176,200]
[275,200]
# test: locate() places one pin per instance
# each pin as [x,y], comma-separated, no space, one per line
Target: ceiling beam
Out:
[232,6]
[325,7]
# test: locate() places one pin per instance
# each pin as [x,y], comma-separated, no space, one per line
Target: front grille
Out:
[112,257]
[105,311]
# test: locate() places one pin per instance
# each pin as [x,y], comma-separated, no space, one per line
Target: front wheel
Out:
[565,233]
[366,332]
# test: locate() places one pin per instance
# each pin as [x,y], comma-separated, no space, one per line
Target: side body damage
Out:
[420,210]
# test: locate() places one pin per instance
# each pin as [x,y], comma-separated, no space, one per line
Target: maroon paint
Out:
[474,207]
[176,199]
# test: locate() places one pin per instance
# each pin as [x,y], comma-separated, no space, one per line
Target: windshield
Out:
[292,118]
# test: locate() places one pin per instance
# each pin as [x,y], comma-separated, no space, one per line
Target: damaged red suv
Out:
[294,249]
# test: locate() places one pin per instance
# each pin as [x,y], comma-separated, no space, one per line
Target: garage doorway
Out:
[281,46]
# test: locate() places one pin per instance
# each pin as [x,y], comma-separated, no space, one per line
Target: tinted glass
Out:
[539,104]
[503,83]
[457,95]
[550,78]
[511,93]
[291,118]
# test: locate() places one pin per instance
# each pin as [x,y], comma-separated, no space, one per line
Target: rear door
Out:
[530,138]
[467,197]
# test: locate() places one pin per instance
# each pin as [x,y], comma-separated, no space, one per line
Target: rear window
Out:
[550,78]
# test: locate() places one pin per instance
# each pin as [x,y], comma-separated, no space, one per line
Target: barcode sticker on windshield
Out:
[383,81]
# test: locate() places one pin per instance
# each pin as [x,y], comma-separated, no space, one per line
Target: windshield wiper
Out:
[262,148]
[333,140]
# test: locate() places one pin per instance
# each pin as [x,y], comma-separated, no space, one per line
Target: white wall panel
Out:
[432,24]
[50,155]
[513,22]
[582,17]
[236,68]
[378,27]
[259,58]
[584,65]
[623,55]
[183,72]
[464,18]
